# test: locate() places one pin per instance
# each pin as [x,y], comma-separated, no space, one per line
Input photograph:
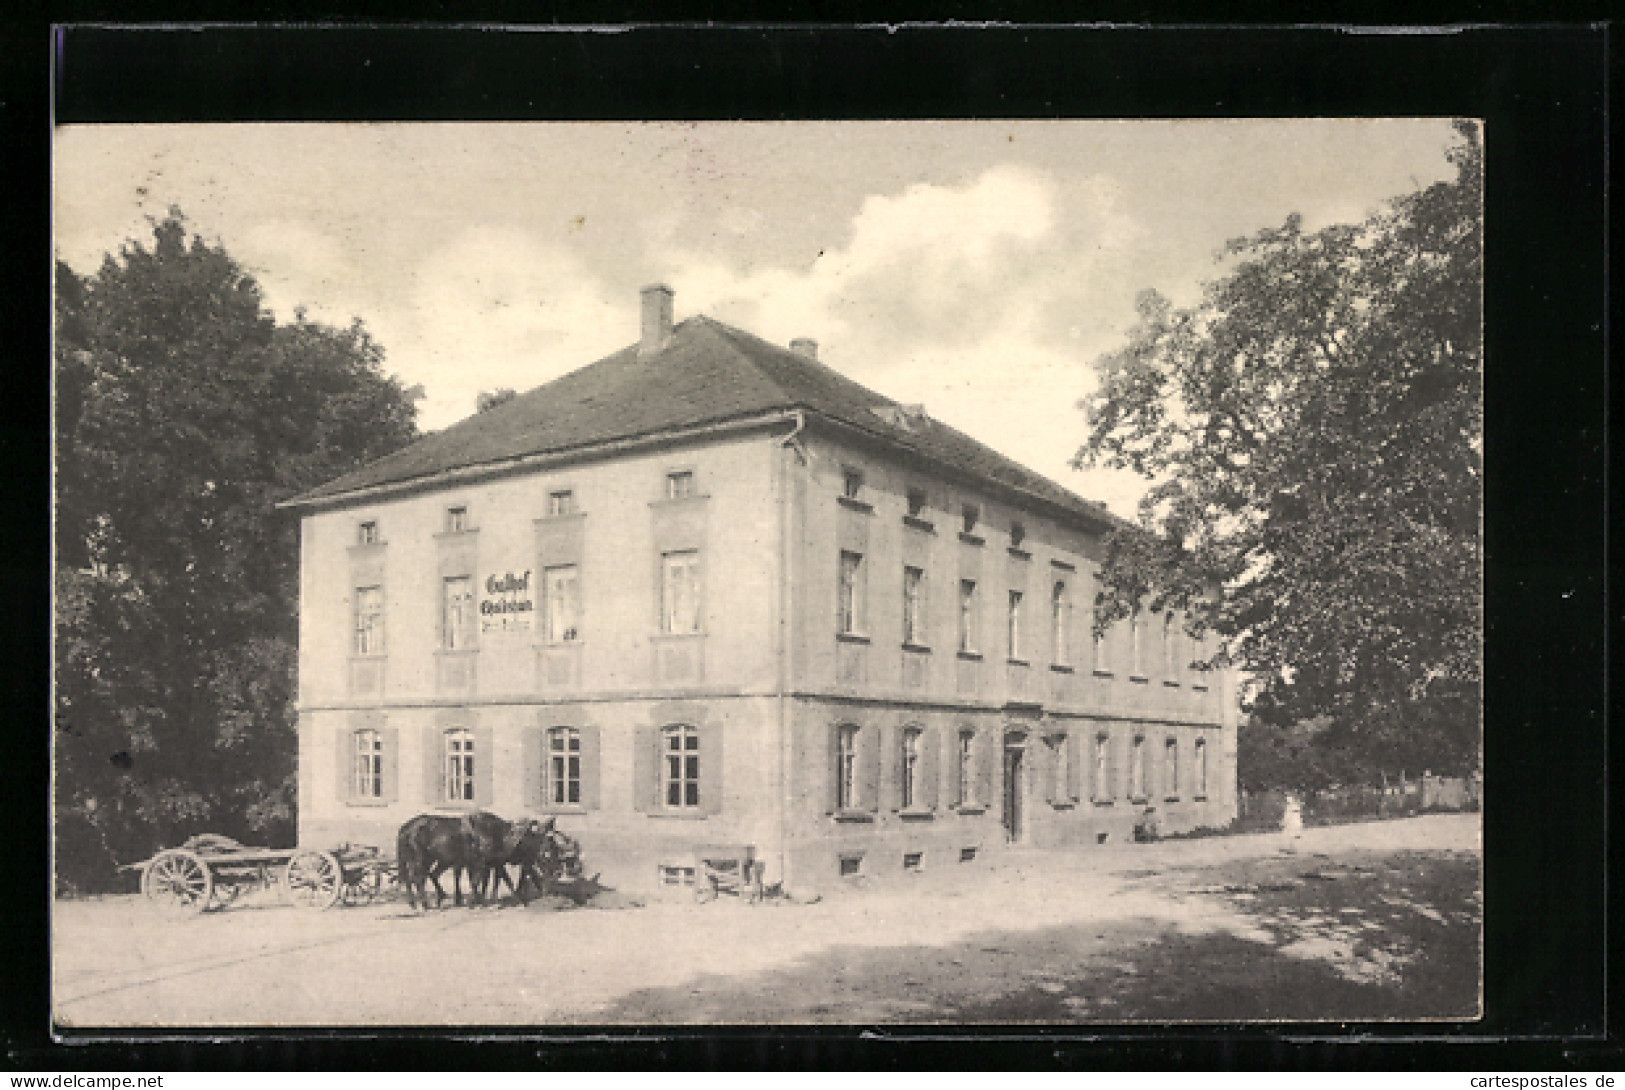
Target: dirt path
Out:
[1359,922]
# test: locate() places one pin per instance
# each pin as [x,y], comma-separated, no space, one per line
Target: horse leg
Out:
[435,871]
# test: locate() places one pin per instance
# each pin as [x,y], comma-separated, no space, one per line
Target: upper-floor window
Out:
[910,767]
[850,600]
[1060,615]
[561,603]
[369,620]
[562,502]
[1170,767]
[367,533]
[367,768]
[681,776]
[916,502]
[564,766]
[1137,643]
[914,606]
[457,618]
[1013,623]
[680,592]
[851,483]
[456,520]
[459,758]
[680,484]
[1018,534]
[846,767]
[967,615]
[969,514]
[1170,647]
[1061,764]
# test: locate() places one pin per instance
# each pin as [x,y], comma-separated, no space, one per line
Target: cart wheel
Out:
[314,880]
[364,890]
[225,893]
[178,881]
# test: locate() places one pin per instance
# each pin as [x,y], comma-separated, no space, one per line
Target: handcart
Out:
[727,868]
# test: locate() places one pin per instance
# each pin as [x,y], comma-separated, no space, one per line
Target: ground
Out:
[1372,921]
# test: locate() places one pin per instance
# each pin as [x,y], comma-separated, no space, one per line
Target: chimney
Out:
[656,319]
[805,346]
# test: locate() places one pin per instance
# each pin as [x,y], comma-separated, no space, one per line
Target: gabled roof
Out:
[707,373]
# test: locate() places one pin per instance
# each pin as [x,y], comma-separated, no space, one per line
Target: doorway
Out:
[1014,752]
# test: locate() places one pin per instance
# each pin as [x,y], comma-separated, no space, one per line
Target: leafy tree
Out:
[1313,432]
[184,411]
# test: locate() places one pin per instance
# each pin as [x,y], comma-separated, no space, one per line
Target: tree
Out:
[1313,431]
[184,411]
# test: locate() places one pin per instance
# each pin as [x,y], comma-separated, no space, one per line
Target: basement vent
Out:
[966,855]
[911,860]
[851,865]
[676,876]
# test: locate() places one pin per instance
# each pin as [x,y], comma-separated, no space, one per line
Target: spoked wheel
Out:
[314,880]
[365,888]
[178,882]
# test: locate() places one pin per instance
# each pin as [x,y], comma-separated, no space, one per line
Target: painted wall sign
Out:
[505,603]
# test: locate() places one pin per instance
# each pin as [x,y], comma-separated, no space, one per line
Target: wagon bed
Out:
[213,870]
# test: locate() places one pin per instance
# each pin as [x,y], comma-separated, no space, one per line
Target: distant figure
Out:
[1148,829]
[1291,821]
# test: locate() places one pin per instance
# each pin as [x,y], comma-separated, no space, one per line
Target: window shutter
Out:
[589,767]
[533,757]
[392,763]
[890,796]
[343,773]
[710,768]
[645,770]
[484,759]
[1074,763]
[929,774]
[869,768]
[434,766]
[986,760]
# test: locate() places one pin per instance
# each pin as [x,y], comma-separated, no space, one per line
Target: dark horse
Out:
[430,844]
[542,853]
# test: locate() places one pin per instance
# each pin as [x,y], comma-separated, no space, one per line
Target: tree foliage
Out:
[1313,431]
[184,412]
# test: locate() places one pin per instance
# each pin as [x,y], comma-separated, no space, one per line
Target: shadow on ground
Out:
[1367,937]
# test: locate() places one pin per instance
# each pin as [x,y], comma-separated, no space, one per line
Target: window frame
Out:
[917,500]
[965,770]
[680,484]
[970,516]
[562,753]
[1199,769]
[456,519]
[1137,785]
[1104,789]
[687,563]
[1060,609]
[1170,768]
[969,616]
[914,633]
[458,757]
[367,764]
[561,503]
[466,624]
[851,483]
[908,767]
[572,601]
[1013,624]
[367,532]
[369,637]
[850,604]
[846,766]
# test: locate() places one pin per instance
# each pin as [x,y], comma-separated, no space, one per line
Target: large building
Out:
[709,592]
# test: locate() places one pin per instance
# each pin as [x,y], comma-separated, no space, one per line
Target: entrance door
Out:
[1012,792]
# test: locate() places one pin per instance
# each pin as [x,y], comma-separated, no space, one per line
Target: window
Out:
[680,485]
[1170,767]
[456,520]
[1170,638]
[457,613]
[1103,784]
[459,765]
[1201,768]
[1062,764]
[682,771]
[1018,534]
[851,593]
[851,483]
[914,607]
[1137,644]
[964,769]
[846,768]
[851,866]
[911,766]
[562,502]
[916,503]
[367,534]
[564,766]
[368,768]
[1136,770]
[970,515]
[1060,612]
[967,615]
[1014,624]
[369,620]
[561,605]
[680,592]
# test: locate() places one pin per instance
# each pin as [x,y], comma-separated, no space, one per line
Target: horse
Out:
[430,844]
[542,852]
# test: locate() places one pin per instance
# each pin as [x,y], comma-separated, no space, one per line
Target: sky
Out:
[977,267]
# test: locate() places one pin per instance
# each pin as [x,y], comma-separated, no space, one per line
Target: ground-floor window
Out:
[564,766]
[459,765]
[682,767]
[911,767]
[1201,768]
[1170,766]
[1136,770]
[1060,761]
[964,769]
[1103,784]
[367,767]
[846,767]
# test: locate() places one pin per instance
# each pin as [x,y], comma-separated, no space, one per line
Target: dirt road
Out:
[1359,922]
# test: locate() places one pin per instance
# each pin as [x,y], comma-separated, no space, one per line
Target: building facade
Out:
[708,592]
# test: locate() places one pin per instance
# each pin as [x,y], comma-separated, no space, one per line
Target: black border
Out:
[1542,90]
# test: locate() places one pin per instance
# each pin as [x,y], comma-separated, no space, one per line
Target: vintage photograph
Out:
[928,572]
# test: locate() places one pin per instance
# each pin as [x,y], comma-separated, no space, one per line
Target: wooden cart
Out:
[212,871]
[727,868]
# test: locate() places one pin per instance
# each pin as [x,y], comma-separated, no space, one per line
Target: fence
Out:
[1339,805]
